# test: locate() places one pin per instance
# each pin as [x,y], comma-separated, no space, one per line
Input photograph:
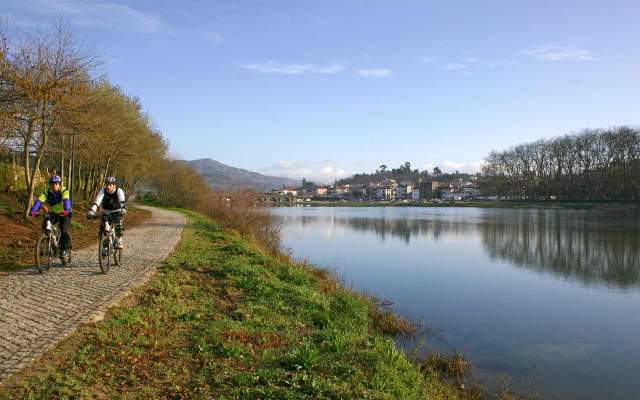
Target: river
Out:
[550,298]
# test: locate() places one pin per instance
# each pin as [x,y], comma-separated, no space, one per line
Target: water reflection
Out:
[592,247]
[571,248]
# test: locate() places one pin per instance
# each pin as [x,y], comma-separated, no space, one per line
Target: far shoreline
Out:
[533,204]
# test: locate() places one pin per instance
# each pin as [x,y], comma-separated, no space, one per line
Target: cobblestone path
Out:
[37,311]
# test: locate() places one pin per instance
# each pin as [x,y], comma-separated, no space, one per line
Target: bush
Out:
[238,212]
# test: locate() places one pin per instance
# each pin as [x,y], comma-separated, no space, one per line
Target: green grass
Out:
[224,320]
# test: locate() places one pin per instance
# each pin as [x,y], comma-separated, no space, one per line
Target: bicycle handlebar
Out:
[45,214]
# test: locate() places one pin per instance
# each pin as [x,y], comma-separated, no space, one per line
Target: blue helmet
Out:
[55,179]
[110,179]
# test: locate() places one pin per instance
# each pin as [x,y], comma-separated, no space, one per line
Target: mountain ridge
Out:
[231,179]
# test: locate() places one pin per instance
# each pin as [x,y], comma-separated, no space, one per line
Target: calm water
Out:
[549,297]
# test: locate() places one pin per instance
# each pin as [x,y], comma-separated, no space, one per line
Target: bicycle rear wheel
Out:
[104,253]
[44,254]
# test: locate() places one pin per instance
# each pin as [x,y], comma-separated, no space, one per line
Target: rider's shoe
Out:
[64,254]
[119,245]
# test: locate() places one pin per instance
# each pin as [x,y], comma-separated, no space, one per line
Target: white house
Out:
[289,192]
[386,192]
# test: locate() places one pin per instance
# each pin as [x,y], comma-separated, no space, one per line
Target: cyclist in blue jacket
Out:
[57,201]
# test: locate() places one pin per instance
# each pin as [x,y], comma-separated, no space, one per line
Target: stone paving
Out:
[38,311]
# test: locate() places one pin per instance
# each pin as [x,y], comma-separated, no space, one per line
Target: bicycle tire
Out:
[67,261]
[117,257]
[43,257]
[104,258]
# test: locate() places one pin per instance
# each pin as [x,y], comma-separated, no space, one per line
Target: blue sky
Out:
[327,88]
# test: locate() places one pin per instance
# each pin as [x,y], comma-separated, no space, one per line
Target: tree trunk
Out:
[86,185]
[78,179]
[62,159]
[14,173]
[36,167]
[25,154]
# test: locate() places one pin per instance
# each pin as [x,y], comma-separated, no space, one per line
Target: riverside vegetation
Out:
[227,318]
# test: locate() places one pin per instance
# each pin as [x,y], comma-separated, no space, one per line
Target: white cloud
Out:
[213,37]
[462,66]
[374,73]
[94,13]
[503,62]
[324,172]
[273,67]
[20,22]
[453,166]
[559,53]
[453,66]
[469,167]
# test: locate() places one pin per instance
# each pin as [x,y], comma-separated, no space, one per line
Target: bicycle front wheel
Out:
[117,257]
[104,253]
[44,254]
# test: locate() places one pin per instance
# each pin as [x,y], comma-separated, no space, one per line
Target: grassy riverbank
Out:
[224,319]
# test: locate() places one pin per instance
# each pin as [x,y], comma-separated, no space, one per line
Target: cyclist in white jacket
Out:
[112,200]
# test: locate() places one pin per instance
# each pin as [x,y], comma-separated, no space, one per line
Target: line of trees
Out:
[403,173]
[602,164]
[56,117]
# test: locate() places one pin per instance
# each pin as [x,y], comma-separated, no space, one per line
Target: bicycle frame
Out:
[51,234]
[106,246]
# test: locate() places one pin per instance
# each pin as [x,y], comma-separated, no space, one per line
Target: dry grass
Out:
[452,365]
[238,212]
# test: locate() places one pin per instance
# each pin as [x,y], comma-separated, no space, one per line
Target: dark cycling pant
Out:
[114,219]
[64,223]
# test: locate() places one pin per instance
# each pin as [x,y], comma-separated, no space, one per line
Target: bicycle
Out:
[107,245]
[47,246]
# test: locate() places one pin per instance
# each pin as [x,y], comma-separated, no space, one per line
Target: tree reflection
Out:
[576,246]
[591,247]
[403,228]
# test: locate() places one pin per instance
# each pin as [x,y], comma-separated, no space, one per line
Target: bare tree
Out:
[592,165]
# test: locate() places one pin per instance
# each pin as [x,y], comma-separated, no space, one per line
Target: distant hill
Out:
[230,179]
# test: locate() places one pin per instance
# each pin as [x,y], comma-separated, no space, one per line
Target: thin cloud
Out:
[503,62]
[212,37]
[469,167]
[20,22]
[273,67]
[559,53]
[453,66]
[324,172]
[100,14]
[374,73]
[461,66]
